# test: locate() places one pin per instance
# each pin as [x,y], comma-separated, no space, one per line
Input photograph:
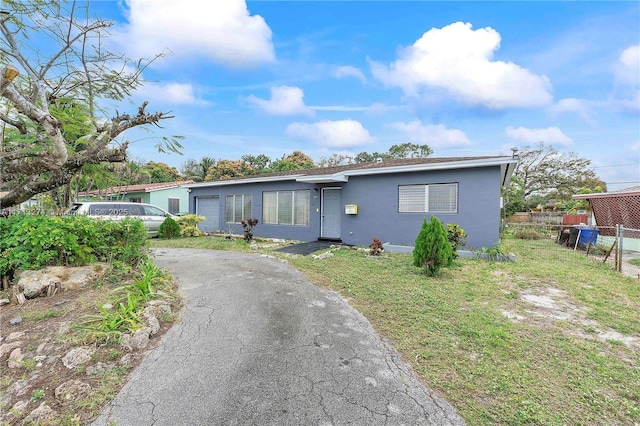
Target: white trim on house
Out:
[241,181]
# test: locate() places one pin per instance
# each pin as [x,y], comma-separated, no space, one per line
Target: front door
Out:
[331,213]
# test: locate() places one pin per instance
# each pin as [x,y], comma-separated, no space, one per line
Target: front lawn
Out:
[541,340]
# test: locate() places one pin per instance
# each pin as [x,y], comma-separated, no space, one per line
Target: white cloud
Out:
[628,78]
[224,31]
[349,71]
[341,133]
[170,93]
[580,107]
[550,135]
[630,64]
[284,100]
[434,135]
[458,60]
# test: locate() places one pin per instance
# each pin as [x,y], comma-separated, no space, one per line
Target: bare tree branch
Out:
[55,123]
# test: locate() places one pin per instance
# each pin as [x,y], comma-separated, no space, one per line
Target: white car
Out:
[152,216]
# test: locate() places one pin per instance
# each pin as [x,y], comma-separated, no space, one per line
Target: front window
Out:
[174,205]
[238,207]
[286,207]
[435,198]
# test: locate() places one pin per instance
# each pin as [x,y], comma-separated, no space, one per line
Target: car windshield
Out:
[153,211]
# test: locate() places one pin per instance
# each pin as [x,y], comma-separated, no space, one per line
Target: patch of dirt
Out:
[545,305]
[36,337]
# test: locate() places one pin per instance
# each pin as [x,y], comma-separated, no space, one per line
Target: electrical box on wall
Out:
[350,209]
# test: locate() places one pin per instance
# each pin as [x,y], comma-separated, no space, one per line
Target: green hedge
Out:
[32,242]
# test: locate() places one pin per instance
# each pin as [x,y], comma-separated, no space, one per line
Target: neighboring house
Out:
[170,196]
[616,208]
[357,202]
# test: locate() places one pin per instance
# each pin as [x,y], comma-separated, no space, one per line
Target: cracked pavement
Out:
[258,344]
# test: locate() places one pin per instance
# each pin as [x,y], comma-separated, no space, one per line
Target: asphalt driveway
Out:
[257,344]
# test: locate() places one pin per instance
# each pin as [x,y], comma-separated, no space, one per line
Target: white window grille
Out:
[286,207]
[434,198]
[237,208]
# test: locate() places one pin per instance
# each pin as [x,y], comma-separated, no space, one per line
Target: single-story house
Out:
[355,203]
[170,196]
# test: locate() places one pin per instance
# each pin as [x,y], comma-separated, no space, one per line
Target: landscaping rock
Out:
[4,302]
[47,281]
[40,415]
[76,357]
[138,340]
[99,368]
[15,321]
[15,335]
[20,405]
[153,325]
[71,391]
[15,358]
[158,308]
[35,283]
[6,348]
[79,277]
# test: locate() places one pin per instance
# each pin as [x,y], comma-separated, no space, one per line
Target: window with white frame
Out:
[434,198]
[174,205]
[286,207]
[237,207]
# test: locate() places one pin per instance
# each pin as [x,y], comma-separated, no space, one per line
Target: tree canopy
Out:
[50,110]
[403,150]
[542,173]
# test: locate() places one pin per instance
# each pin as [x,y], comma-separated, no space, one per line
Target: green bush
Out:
[188,225]
[527,234]
[432,249]
[456,236]
[33,242]
[125,316]
[169,229]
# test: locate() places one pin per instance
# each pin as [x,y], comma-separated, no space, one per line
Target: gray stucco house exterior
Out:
[356,202]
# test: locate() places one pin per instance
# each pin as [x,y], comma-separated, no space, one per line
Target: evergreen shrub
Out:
[432,249]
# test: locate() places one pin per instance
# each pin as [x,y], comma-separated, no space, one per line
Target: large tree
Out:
[297,160]
[52,94]
[544,173]
[227,169]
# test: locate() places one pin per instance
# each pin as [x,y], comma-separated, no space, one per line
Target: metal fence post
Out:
[620,241]
[617,244]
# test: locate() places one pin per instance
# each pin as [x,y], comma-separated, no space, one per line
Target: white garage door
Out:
[210,209]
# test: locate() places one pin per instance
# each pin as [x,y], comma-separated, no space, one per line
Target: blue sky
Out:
[466,78]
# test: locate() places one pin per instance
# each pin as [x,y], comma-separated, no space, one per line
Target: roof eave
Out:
[507,163]
[334,178]
[606,195]
[241,181]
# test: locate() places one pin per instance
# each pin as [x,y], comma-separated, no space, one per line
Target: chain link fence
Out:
[616,247]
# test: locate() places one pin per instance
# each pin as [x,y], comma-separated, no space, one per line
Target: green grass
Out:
[494,370]
[212,243]
[39,316]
